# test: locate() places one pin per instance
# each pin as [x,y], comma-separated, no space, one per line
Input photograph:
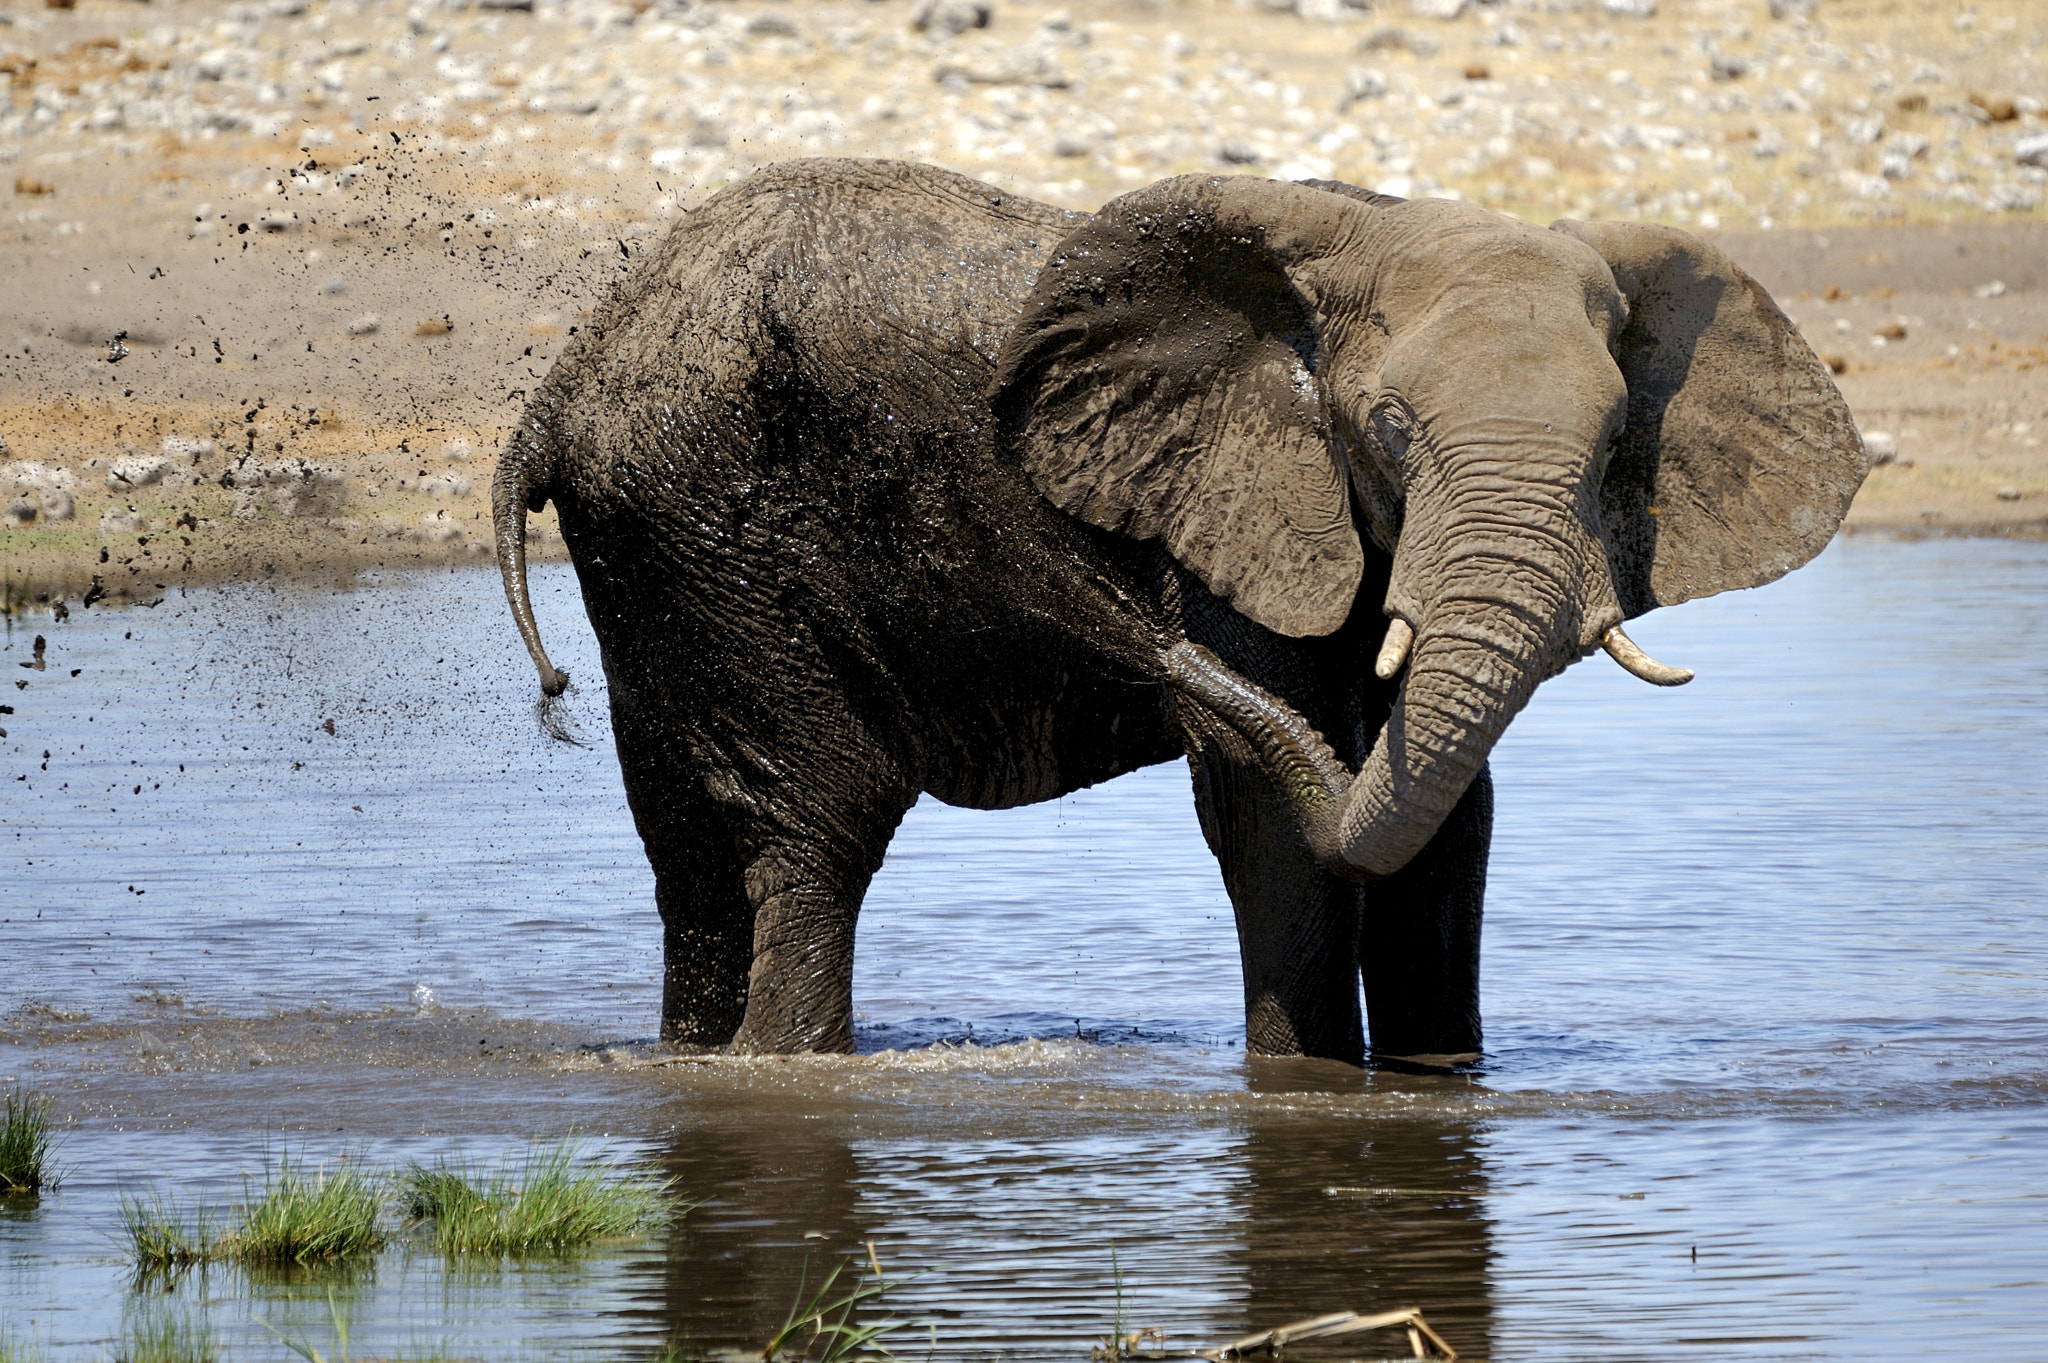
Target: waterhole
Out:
[1767,1047]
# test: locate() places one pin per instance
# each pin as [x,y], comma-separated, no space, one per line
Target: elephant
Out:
[880,481]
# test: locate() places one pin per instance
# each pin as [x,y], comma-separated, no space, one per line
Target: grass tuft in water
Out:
[820,1326]
[1123,1342]
[306,1218]
[561,1201]
[26,1146]
[164,1237]
[299,1218]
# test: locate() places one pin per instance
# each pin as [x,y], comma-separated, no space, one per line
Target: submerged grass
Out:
[168,1337]
[304,1346]
[26,1146]
[15,1349]
[560,1201]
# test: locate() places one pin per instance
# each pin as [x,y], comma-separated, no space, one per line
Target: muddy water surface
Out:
[1766,994]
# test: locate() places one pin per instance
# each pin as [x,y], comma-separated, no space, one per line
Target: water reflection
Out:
[1365,1213]
[1017,1225]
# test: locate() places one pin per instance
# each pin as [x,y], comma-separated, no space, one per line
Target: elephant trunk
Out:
[1507,614]
[523,481]
[1474,665]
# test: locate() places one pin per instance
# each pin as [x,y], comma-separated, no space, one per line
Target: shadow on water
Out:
[1001,1236]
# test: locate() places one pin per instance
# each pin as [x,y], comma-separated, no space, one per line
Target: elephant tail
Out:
[525,482]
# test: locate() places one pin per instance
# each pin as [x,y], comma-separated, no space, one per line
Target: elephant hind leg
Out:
[805,897]
[707,922]
[706,927]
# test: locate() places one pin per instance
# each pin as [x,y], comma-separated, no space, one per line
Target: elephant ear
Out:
[1351,191]
[1162,384]
[1739,458]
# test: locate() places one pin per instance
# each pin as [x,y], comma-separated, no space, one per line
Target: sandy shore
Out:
[276,277]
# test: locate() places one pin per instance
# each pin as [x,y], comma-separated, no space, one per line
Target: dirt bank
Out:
[278,276]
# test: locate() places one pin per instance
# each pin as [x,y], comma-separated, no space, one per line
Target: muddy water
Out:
[1767,1068]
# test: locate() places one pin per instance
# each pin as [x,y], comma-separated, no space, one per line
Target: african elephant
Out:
[880,481]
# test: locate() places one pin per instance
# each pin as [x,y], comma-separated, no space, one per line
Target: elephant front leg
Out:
[1297,925]
[1418,942]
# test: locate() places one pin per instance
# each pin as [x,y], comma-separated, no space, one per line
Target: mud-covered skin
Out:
[879,481]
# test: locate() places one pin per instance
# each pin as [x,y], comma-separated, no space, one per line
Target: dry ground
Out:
[339,241]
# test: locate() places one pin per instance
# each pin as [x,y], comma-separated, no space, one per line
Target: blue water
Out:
[1766,997]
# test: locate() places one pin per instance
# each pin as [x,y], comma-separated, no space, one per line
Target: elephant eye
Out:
[1391,429]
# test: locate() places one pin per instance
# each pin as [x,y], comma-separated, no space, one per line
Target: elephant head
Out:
[1547,432]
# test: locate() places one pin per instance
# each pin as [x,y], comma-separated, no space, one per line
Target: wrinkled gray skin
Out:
[879,481]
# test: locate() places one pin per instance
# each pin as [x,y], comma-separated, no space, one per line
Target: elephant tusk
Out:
[1623,650]
[1394,651]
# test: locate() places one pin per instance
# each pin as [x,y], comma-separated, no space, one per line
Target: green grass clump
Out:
[164,1237]
[26,1146]
[298,1218]
[559,1202]
[306,1218]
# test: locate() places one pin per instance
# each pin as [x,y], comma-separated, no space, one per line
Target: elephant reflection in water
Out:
[1218,1230]
[1367,1214]
[881,481]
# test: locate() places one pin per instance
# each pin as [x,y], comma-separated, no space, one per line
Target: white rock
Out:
[186,446]
[438,529]
[1633,9]
[1909,145]
[950,17]
[30,475]
[1333,11]
[1864,131]
[295,488]
[57,504]
[117,523]
[1882,445]
[366,325]
[1362,83]
[2031,151]
[137,470]
[1995,289]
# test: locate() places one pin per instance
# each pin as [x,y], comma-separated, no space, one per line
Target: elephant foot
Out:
[796,1036]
